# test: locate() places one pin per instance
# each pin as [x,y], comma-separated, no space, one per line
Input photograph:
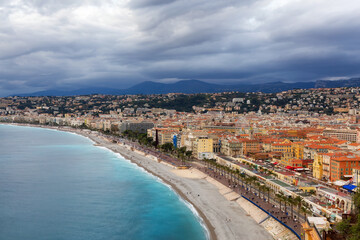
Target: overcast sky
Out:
[80,43]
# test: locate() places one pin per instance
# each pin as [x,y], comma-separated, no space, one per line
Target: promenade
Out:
[224,219]
[271,206]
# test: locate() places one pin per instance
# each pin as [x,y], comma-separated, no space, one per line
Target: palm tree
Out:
[248,181]
[312,192]
[298,201]
[282,198]
[182,157]
[292,203]
[207,163]
[188,154]
[305,210]
[221,168]
[227,172]
[241,178]
[251,181]
[244,178]
[286,200]
[263,189]
[258,187]
[233,175]
[268,189]
[286,203]
[215,167]
[279,198]
[237,175]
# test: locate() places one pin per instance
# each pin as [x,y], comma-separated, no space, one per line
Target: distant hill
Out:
[353,82]
[82,91]
[196,86]
[185,86]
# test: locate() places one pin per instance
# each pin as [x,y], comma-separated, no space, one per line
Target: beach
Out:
[223,218]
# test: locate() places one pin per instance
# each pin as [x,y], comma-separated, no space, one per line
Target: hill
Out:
[196,86]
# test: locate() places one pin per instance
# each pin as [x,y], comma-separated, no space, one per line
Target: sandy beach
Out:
[224,219]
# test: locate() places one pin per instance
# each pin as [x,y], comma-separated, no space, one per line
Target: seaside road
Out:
[228,219]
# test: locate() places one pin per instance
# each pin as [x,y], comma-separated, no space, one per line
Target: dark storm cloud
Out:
[149,3]
[47,44]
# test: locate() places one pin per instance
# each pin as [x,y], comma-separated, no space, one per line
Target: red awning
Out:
[299,169]
[275,163]
[289,167]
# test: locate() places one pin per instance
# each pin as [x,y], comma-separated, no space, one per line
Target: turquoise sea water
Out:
[56,185]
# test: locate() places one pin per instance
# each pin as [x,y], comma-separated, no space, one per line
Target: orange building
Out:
[281,147]
[343,165]
[251,146]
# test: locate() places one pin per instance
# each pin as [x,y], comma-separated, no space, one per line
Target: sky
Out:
[71,44]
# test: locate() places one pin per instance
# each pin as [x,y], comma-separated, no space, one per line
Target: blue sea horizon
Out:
[58,185]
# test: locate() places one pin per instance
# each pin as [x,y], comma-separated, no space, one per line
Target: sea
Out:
[57,185]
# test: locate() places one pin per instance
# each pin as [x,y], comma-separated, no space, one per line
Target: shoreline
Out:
[208,226]
[214,210]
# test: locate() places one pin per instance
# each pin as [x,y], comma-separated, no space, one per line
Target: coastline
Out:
[223,219]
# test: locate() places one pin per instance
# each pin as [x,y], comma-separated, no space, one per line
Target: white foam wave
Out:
[198,217]
[158,179]
[188,205]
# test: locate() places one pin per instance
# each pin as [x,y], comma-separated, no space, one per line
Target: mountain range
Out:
[196,86]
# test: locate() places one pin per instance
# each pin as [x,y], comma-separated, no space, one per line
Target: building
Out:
[286,158]
[343,166]
[311,150]
[313,227]
[356,176]
[281,147]
[318,166]
[166,136]
[140,127]
[343,134]
[232,147]
[298,150]
[251,146]
[203,148]
[326,167]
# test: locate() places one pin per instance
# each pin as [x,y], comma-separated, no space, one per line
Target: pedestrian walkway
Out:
[272,207]
[233,193]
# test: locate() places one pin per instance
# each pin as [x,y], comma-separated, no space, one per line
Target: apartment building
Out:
[343,134]
[343,166]
[232,147]
[203,148]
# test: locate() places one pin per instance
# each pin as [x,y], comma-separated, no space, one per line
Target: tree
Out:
[356,202]
[252,180]
[305,211]
[279,198]
[268,189]
[247,181]
[258,187]
[188,154]
[298,202]
[167,147]
[263,188]
[355,229]
[312,192]
[291,203]
[349,228]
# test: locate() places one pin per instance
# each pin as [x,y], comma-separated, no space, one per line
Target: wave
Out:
[158,179]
